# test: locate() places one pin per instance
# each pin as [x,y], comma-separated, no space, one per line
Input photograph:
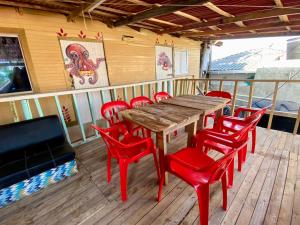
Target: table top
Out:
[161,117]
[168,116]
[206,104]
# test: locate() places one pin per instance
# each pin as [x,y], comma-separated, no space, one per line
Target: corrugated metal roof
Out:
[246,61]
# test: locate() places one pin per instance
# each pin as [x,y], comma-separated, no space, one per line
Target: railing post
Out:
[234,97]
[193,86]
[273,105]
[58,106]
[14,110]
[133,91]
[149,91]
[92,110]
[26,109]
[175,85]
[206,86]
[81,125]
[38,107]
[142,90]
[250,98]
[221,85]
[115,95]
[102,97]
[297,123]
[125,94]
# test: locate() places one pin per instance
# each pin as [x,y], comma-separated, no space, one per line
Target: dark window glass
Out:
[13,73]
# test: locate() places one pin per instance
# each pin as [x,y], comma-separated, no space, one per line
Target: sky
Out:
[231,47]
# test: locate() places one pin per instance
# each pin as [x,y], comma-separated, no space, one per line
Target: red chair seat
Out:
[194,159]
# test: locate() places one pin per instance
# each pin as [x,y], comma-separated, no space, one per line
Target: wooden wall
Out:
[128,62]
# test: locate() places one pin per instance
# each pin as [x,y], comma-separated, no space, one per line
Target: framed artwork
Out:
[14,75]
[85,61]
[163,61]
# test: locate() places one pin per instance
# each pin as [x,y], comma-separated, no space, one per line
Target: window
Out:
[14,75]
[181,62]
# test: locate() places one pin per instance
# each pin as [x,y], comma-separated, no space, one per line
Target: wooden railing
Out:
[21,107]
[194,86]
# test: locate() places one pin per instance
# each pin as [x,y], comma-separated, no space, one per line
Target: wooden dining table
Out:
[169,115]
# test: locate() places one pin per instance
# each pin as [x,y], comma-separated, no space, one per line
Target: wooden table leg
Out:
[191,130]
[219,113]
[200,124]
[161,143]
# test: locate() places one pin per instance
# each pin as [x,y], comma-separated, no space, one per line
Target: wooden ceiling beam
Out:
[33,6]
[243,29]
[221,12]
[89,5]
[157,11]
[164,22]
[178,13]
[257,35]
[244,17]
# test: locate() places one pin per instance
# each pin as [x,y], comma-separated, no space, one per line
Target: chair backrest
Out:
[220,166]
[110,111]
[222,94]
[140,101]
[255,117]
[161,96]
[111,136]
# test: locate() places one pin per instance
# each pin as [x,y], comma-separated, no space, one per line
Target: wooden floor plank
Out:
[286,209]
[296,208]
[265,192]
[265,195]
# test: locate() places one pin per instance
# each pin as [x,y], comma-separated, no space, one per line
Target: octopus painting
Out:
[81,65]
[164,61]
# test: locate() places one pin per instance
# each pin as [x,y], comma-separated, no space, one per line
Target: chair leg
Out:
[108,167]
[161,184]
[240,160]
[244,153]
[123,179]
[253,140]
[203,201]
[156,165]
[230,174]
[224,189]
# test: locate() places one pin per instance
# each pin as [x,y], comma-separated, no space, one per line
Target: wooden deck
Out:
[267,191]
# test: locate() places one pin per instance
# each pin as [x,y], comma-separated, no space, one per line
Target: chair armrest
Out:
[236,120]
[244,109]
[224,139]
[147,142]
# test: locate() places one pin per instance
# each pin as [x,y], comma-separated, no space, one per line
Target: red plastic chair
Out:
[236,123]
[161,96]
[138,102]
[222,94]
[110,112]
[127,149]
[225,143]
[198,170]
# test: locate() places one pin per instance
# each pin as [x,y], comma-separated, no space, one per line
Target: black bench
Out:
[31,147]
